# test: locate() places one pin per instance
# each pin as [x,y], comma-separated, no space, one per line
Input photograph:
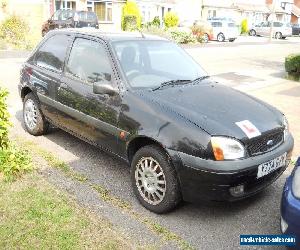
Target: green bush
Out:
[130,23]
[14,162]
[292,66]
[156,21]
[131,9]
[14,31]
[171,19]
[182,37]
[244,27]
[199,32]
[4,120]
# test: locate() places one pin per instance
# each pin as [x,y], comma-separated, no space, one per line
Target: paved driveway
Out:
[254,69]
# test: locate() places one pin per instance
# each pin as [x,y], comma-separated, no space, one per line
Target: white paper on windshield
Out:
[248,128]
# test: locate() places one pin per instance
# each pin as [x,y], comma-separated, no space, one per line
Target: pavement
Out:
[256,69]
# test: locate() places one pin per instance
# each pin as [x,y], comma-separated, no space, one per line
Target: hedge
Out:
[292,65]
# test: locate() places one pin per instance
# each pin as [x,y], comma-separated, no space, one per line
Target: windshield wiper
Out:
[200,79]
[172,83]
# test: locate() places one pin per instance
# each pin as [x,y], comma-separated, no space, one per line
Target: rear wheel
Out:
[221,37]
[278,35]
[154,180]
[35,122]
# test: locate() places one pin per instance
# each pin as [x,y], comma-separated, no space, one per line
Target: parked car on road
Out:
[203,25]
[290,205]
[224,29]
[145,100]
[280,30]
[70,19]
[296,29]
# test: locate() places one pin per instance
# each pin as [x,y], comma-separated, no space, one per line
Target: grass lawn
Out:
[33,214]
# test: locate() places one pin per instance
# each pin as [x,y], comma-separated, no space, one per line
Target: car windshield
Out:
[148,64]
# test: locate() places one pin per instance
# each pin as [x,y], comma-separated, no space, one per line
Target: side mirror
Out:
[104,89]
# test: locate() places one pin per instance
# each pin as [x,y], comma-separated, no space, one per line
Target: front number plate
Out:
[270,166]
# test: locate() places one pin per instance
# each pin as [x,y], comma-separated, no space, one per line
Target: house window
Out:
[212,13]
[103,11]
[65,5]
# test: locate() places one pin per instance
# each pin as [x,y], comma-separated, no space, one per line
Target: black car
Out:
[70,19]
[296,29]
[146,101]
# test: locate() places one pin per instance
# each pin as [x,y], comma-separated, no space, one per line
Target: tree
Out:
[131,16]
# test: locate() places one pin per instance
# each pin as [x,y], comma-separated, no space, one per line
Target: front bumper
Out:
[203,179]
[290,211]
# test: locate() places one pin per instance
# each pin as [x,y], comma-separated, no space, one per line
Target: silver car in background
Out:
[280,30]
[224,29]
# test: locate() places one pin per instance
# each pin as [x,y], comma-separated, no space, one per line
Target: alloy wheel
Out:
[150,180]
[30,114]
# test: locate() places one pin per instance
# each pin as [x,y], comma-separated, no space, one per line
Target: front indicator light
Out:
[225,148]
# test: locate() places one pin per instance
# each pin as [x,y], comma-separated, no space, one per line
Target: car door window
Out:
[89,62]
[51,54]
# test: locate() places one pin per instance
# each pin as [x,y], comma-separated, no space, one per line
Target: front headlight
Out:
[225,148]
[296,183]
[286,126]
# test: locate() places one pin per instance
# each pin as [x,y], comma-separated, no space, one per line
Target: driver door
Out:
[94,117]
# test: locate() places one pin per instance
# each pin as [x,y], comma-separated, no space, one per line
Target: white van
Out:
[224,29]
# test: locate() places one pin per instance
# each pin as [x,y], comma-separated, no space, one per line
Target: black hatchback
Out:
[146,101]
[70,19]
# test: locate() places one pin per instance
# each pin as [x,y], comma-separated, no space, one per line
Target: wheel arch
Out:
[25,91]
[141,141]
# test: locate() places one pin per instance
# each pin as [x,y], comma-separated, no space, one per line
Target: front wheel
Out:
[154,180]
[35,122]
[278,35]
[205,38]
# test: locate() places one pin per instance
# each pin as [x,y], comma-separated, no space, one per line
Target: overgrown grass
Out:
[34,215]
[105,195]
[14,162]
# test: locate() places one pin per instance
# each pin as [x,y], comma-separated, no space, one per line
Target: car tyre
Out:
[34,121]
[278,35]
[205,38]
[252,32]
[154,180]
[221,37]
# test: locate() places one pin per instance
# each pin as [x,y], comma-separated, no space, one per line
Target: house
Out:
[293,8]
[151,9]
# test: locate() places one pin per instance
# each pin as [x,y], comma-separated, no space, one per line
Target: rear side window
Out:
[51,54]
[89,62]
[216,24]
[277,24]
[231,25]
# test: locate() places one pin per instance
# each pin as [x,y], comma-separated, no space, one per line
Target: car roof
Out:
[109,36]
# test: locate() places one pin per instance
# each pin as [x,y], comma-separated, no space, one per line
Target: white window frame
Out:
[108,5]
